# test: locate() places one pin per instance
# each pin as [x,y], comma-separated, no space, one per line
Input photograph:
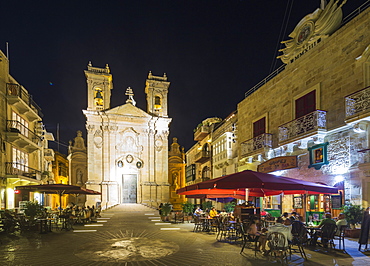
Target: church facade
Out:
[127,147]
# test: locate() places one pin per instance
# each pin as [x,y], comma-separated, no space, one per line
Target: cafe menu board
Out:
[298,202]
[336,201]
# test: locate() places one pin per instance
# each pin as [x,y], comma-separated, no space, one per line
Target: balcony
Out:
[306,126]
[201,133]
[21,136]
[49,154]
[202,156]
[23,102]
[21,171]
[358,105]
[255,144]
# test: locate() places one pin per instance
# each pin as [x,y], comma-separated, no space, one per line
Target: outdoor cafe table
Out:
[206,221]
[312,231]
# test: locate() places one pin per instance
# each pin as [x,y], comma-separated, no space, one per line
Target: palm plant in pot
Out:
[165,211]
[353,215]
[32,211]
[187,209]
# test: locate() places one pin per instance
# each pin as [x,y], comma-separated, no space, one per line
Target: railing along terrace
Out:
[256,143]
[202,154]
[18,127]
[355,13]
[315,120]
[18,90]
[358,102]
[13,168]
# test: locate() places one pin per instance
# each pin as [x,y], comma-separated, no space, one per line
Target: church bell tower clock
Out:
[99,85]
[156,89]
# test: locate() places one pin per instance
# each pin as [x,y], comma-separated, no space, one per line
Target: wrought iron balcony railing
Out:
[202,156]
[19,91]
[358,103]
[17,127]
[302,126]
[201,133]
[262,141]
[13,168]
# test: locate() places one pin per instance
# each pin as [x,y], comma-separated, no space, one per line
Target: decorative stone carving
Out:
[98,138]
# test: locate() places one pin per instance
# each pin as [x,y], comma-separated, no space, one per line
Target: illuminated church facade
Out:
[127,147]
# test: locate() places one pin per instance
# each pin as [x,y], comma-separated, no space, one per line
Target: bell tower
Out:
[156,89]
[99,85]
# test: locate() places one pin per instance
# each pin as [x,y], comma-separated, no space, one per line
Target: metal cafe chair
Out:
[327,235]
[340,236]
[248,238]
[300,238]
[198,225]
[277,244]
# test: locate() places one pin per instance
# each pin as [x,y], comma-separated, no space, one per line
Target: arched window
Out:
[157,102]
[206,173]
[98,97]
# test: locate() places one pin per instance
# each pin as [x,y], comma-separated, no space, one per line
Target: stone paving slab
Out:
[131,234]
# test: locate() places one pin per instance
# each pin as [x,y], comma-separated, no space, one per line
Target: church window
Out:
[157,102]
[306,104]
[98,97]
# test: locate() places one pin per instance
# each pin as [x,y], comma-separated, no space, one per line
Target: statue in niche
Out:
[79,176]
[175,183]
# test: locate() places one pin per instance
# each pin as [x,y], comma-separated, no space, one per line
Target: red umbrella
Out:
[260,184]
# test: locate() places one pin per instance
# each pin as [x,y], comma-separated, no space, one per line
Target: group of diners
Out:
[294,229]
[258,230]
[79,214]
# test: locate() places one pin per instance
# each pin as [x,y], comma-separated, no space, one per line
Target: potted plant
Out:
[353,215]
[165,211]
[32,211]
[229,207]
[207,206]
[187,209]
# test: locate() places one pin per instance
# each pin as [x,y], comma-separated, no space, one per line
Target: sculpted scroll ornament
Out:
[313,27]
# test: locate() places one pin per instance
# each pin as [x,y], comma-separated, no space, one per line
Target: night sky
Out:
[212,51]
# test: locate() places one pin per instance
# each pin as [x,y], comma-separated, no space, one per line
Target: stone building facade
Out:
[315,108]
[24,154]
[127,148]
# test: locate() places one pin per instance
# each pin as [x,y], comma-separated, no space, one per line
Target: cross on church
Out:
[130,94]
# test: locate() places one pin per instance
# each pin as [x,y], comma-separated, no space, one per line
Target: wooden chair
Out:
[278,246]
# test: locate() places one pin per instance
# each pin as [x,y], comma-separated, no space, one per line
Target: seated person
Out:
[285,216]
[223,213]
[294,216]
[213,213]
[281,228]
[255,235]
[340,222]
[327,220]
[198,211]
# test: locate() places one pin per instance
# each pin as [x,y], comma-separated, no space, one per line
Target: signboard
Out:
[336,201]
[318,155]
[298,202]
[278,163]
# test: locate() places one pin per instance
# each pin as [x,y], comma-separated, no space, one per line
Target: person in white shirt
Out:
[281,228]
[340,221]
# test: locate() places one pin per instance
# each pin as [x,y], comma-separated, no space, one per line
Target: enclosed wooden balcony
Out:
[23,102]
[256,144]
[201,132]
[22,137]
[358,105]
[302,127]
